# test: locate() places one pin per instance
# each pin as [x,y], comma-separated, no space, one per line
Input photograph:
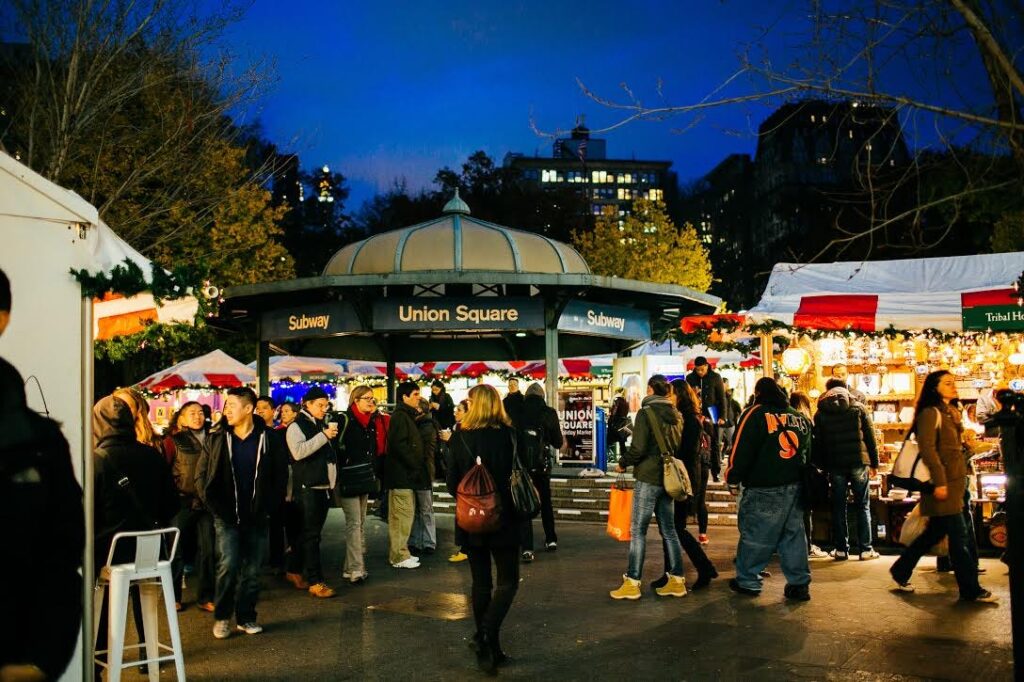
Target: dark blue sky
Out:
[380,91]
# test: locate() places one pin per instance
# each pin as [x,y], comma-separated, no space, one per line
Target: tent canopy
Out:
[216,369]
[924,293]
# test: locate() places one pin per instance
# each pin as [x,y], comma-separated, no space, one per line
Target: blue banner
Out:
[605,320]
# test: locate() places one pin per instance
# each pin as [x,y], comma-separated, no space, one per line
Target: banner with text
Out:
[470,314]
[577,417]
[605,320]
[995,310]
[305,321]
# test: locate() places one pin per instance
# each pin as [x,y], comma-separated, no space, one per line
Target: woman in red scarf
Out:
[363,439]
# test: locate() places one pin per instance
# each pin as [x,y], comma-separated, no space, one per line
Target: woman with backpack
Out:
[183,448]
[939,433]
[362,440]
[486,434]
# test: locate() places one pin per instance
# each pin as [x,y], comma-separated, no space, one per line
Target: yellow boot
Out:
[630,589]
[675,587]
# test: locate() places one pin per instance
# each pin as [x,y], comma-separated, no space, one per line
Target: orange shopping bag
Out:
[620,510]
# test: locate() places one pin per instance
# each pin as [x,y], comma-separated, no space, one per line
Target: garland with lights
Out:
[128,279]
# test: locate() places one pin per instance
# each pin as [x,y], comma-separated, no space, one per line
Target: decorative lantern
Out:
[795,361]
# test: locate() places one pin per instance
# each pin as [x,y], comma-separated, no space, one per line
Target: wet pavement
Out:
[414,625]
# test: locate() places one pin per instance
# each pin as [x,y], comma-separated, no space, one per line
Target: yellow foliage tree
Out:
[646,247]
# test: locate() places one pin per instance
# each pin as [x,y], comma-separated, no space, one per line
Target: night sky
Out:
[379,91]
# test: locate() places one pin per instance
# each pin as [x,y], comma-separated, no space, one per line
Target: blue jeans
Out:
[857,479]
[648,500]
[772,520]
[242,550]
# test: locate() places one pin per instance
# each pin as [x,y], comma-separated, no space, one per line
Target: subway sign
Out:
[470,314]
[605,320]
[309,321]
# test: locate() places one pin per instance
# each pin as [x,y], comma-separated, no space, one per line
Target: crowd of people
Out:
[254,489]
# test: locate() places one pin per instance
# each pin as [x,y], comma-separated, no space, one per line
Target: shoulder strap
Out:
[656,430]
[124,484]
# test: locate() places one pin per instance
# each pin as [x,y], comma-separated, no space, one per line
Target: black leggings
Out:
[700,493]
[491,604]
[694,552]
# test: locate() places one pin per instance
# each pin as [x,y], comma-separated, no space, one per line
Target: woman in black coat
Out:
[486,433]
[688,405]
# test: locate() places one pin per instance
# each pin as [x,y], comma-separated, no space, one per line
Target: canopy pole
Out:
[767,362]
[89,491]
[391,378]
[263,366]
[551,364]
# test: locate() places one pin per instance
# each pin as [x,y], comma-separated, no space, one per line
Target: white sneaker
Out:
[249,628]
[869,555]
[839,556]
[816,552]
[904,587]
[222,629]
[411,562]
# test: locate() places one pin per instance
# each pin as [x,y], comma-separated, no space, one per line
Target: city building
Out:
[807,185]
[610,185]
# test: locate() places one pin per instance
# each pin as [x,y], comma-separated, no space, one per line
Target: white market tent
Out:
[292,367]
[216,369]
[47,231]
[924,293]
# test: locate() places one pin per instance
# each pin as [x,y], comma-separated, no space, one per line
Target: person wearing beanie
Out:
[314,472]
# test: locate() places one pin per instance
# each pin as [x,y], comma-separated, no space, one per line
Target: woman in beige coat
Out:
[938,429]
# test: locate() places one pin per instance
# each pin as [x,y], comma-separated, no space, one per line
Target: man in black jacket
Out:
[711,391]
[513,402]
[844,446]
[238,478]
[538,430]
[314,473]
[403,470]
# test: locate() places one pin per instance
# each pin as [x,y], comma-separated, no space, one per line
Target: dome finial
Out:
[456,205]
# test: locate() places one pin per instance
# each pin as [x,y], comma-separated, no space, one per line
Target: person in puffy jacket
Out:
[770,450]
[844,446]
[183,449]
[657,413]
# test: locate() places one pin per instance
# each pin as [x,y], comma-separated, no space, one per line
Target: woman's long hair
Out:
[930,393]
[687,401]
[485,409]
[357,393]
[174,427]
[801,403]
[144,432]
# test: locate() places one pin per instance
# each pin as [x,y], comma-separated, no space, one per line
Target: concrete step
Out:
[582,499]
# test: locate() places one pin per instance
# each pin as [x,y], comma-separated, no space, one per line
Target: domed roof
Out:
[456,242]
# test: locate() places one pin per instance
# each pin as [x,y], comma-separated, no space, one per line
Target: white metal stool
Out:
[152,575]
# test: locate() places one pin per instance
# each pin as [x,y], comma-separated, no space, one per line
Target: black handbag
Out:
[525,498]
[357,479]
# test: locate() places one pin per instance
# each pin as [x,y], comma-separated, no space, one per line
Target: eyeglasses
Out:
[369,399]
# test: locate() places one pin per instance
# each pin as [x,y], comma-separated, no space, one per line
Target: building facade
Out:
[610,185]
[809,184]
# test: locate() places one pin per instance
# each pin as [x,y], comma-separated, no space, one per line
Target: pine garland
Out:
[128,279]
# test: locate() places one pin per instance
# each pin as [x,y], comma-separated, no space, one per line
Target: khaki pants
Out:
[401,511]
[355,539]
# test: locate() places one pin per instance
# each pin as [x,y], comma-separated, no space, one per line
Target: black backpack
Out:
[533,451]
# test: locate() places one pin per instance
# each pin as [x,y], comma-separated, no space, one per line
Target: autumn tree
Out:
[646,246]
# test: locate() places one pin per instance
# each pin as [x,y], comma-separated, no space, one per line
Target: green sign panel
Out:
[994,317]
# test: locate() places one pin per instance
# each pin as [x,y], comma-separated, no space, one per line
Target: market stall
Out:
[203,379]
[882,327]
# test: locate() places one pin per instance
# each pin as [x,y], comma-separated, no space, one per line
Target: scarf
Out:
[364,420]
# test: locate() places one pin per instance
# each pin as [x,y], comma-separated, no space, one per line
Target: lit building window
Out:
[812,118]
[656,194]
[850,131]
[545,176]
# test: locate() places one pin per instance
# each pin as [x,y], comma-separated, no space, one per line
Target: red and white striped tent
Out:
[216,369]
[924,293]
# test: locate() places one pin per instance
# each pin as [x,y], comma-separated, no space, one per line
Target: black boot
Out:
[704,578]
[485,655]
